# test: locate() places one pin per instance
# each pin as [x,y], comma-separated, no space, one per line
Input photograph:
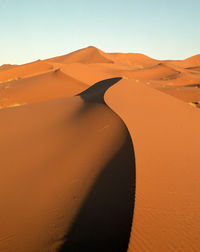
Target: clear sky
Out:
[38,29]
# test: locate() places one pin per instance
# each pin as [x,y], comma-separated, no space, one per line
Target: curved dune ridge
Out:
[100,152]
[166,139]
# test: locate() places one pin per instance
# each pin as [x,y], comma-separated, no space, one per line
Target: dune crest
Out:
[86,56]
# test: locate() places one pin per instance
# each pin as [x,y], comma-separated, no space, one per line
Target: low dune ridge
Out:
[42,87]
[23,70]
[7,66]
[137,60]
[100,152]
[159,71]
[189,62]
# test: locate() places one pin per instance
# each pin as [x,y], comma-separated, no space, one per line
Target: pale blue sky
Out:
[38,29]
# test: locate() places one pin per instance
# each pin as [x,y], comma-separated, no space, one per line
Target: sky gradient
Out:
[39,29]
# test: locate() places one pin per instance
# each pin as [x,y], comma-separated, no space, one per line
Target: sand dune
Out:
[157,72]
[85,73]
[189,62]
[42,87]
[7,66]
[24,70]
[87,55]
[92,54]
[166,139]
[136,60]
[100,152]
[49,183]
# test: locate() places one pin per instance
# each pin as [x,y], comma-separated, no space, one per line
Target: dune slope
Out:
[68,176]
[50,85]
[166,139]
[15,73]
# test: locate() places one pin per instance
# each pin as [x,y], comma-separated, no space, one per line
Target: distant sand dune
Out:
[24,70]
[87,56]
[7,66]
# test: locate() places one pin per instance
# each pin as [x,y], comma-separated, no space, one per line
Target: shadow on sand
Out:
[105,218]
[95,93]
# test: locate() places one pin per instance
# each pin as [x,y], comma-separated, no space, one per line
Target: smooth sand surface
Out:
[15,73]
[42,87]
[100,152]
[166,139]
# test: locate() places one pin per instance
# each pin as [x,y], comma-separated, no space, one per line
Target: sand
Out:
[166,141]
[100,152]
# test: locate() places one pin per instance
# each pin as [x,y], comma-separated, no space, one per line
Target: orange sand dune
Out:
[89,65]
[157,72]
[131,66]
[7,66]
[23,70]
[166,139]
[92,54]
[136,60]
[43,87]
[188,93]
[60,159]
[85,73]
[189,62]
[87,55]
[111,166]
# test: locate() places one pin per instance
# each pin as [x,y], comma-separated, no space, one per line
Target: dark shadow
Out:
[105,219]
[95,93]
[192,85]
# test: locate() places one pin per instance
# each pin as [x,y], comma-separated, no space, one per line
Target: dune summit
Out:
[100,152]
